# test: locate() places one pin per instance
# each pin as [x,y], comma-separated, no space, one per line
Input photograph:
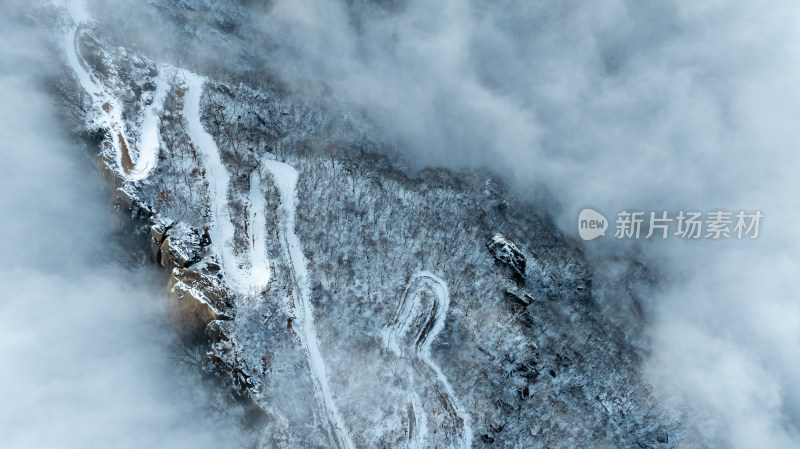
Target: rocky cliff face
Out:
[353,304]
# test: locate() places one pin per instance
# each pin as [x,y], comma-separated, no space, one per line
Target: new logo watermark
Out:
[591,224]
[690,225]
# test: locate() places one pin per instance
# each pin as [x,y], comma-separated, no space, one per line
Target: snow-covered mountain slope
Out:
[353,304]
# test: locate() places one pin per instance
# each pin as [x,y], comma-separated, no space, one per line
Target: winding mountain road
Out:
[285,177]
[251,274]
[417,327]
[136,159]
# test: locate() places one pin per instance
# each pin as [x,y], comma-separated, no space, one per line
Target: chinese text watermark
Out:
[689,225]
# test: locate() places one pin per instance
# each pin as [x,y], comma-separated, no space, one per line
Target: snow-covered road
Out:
[149,140]
[247,273]
[419,327]
[248,276]
[285,177]
[248,270]
[106,112]
[255,277]
[135,159]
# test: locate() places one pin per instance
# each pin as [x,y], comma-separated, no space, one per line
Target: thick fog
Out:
[88,357]
[607,104]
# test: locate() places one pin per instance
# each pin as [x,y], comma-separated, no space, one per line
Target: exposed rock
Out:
[520,297]
[122,200]
[111,178]
[159,227]
[507,253]
[662,436]
[194,301]
[181,247]
[158,232]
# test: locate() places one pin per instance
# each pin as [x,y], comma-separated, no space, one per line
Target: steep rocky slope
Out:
[353,304]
